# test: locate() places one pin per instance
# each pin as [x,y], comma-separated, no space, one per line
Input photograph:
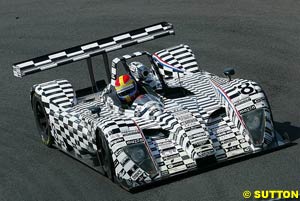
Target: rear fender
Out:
[176,61]
[55,95]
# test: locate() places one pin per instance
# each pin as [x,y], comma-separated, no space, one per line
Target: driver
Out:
[144,75]
[126,89]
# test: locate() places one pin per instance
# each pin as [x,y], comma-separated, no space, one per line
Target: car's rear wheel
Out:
[42,120]
[105,157]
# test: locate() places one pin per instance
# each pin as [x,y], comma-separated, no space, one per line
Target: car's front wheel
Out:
[42,120]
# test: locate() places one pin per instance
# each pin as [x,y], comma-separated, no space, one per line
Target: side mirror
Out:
[95,110]
[229,72]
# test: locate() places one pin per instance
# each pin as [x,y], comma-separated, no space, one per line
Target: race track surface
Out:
[260,39]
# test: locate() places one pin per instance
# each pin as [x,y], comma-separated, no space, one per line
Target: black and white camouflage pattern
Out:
[87,50]
[175,61]
[193,133]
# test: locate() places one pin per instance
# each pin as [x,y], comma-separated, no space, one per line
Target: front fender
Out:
[240,97]
[119,134]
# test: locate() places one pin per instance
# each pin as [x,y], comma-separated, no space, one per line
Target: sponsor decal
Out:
[247,109]
[203,148]
[186,119]
[242,101]
[176,164]
[129,132]
[258,100]
[191,165]
[219,127]
[232,148]
[115,141]
[137,174]
[134,141]
[168,152]
[118,152]
[228,140]
[200,143]
[204,154]
[226,137]
[170,157]
[189,123]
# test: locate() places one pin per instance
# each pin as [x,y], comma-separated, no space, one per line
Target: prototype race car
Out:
[183,119]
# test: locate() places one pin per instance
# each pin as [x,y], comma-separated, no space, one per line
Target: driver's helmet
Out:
[126,88]
[144,74]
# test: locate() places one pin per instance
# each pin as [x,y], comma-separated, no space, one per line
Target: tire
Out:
[42,120]
[104,155]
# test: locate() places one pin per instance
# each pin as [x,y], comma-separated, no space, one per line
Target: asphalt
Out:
[260,39]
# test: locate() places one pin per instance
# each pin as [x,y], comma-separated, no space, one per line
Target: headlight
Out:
[139,154]
[255,122]
[136,153]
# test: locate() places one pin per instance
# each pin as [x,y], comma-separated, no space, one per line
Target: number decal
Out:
[246,88]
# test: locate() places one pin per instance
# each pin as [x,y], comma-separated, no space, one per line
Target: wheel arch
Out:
[32,92]
[98,132]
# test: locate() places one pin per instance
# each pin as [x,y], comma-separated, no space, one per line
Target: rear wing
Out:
[88,50]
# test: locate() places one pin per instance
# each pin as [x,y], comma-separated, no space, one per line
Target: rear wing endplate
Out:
[88,50]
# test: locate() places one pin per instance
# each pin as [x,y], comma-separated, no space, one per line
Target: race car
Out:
[183,119]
